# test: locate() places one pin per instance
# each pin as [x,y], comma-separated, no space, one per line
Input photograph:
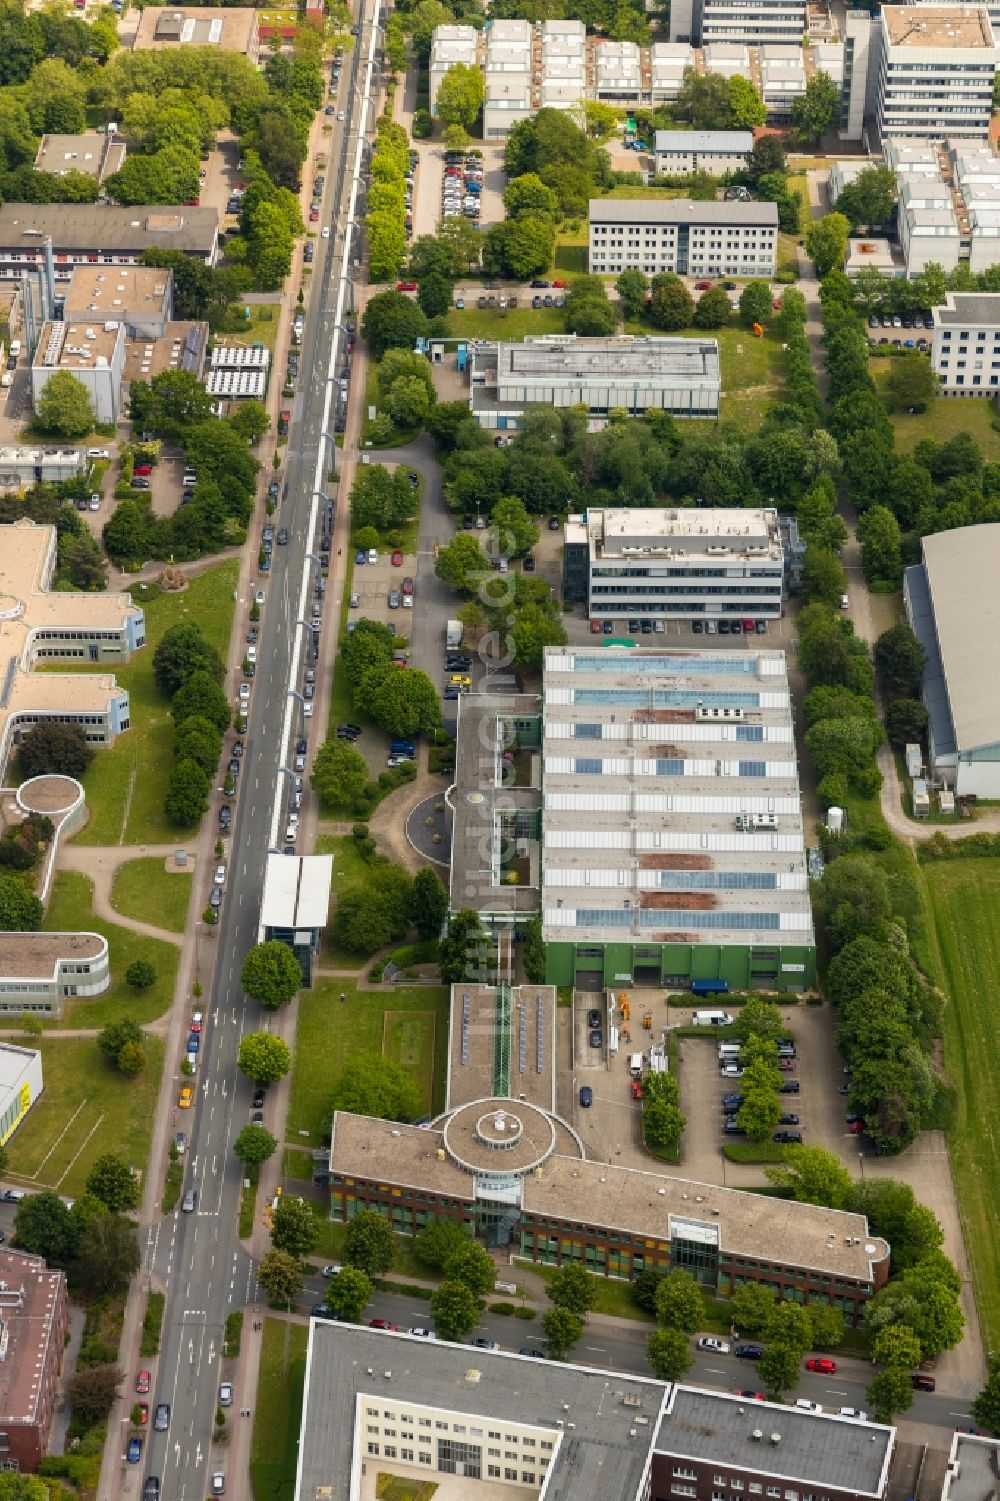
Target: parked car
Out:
[134,1449]
[749,1351]
[823,1364]
[709,1342]
[142,1383]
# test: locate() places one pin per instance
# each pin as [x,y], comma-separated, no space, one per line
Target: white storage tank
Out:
[835,820]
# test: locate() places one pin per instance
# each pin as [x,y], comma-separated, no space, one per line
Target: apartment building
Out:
[618,73]
[680,152]
[692,238]
[230,29]
[759,23]
[674,564]
[668,62]
[34,1323]
[508,77]
[564,65]
[680,376]
[965,344]
[96,153]
[782,80]
[927,224]
[39,971]
[450,45]
[38,624]
[99,234]
[936,70]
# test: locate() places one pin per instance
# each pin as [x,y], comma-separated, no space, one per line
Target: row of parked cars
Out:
[731,1067]
[462,186]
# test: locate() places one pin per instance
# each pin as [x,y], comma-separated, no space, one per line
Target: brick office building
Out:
[34,1320]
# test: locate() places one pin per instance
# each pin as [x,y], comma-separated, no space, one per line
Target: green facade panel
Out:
[789,967]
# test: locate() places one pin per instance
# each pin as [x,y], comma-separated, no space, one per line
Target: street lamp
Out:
[300,698]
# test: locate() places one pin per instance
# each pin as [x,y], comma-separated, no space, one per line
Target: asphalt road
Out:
[197,1256]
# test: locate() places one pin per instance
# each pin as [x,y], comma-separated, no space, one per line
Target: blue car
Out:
[134,1450]
[194,1043]
[360,557]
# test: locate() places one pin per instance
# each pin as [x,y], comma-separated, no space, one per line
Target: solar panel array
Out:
[539,1033]
[466,1018]
[522,1036]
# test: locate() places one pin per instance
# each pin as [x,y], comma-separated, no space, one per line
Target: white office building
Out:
[450,45]
[782,79]
[690,238]
[680,376]
[965,344]
[667,64]
[564,64]
[675,564]
[936,71]
[681,152]
[618,73]
[928,227]
[753,24]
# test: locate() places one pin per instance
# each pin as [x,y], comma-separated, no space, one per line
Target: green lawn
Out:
[85,1110]
[329,1031]
[330,1247]
[146,890]
[964,907]
[126,784]
[473,322]
[71,909]
[278,1411]
[260,328]
[943,419]
[752,370]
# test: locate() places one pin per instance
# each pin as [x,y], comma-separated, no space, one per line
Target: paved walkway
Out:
[99,863]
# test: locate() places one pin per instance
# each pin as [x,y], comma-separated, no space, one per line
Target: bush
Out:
[152,1324]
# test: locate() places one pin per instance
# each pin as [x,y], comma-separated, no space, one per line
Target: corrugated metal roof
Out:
[962,571]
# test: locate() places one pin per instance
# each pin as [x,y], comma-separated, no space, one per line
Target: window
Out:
[373,1449]
[527,1478]
[510,1474]
[683,1490]
[406,1454]
[493,1472]
[425,1459]
[390,1451]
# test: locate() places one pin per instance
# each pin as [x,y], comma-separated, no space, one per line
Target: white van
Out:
[635,1065]
[729,1051]
[711,1019]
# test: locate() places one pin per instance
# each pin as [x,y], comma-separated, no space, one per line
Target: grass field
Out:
[752,373]
[274,1451]
[146,890]
[503,323]
[411,1023]
[943,419]
[71,909]
[85,1110]
[964,905]
[125,785]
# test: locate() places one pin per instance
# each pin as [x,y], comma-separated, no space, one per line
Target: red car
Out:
[702,286]
[142,1383]
[787,1065]
[823,1365]
[397,559]
[143,469]
[856,1127]
[558,283]
[406,286]
[314,216]
[753,1396]
[777,304]
[143,1413]
[595,627]
[383,1324]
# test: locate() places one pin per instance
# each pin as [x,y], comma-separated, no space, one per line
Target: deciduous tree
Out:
[779,1368]
[679,1302]
[814,1176]
[369,1243]
[253,1146]
[572,1287]
[428,904]
[112,1180]
[349,1293]
[271,974]
[889,1393]
[372,1084]
[280,1275]
[64,407]
[455,1310]
[264,1058]
[438,1240]
[294,1226]
[53,747]
[339,774]
[562,1330]
[92,1392]
[668,1354]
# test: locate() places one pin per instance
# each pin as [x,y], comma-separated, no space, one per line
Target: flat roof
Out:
[37,956]
[812,1448]
[937,25]
[681,211]
[76,346]
[973,1468]
[525,1036]
[606,1454]
[961,568]
[296,891]
[690,532]
[97,226]
[642,1202]
[703,140]
[14,1060]
[614,362]
[974,309]
[92,152]
[181,346]
[230,29]
[28,1310]
[117,291]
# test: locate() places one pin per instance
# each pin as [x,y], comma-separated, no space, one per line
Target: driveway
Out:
[427,188]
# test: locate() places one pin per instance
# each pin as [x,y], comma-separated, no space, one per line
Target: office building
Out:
[140,297]
[782,80]
[450,45]
[99,234]
[21,468]
[936,70]
[564,65]
[181,346]
[859,74]
[692,238]
[34,1329]
[927,224]
[516,1175]
[873,253]
[41,625]
[965,344]
[702,22]
[230,29]
[39,971]
[296,902]
[973,1466]
[618,73]
[20,1068]
[95,153]
[696,564]
[674,375]
[951,600]
[93,353]
[679,152]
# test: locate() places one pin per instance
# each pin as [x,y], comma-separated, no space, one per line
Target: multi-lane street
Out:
[196,1256]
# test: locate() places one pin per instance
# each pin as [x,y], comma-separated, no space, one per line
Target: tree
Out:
[562,1329]
[671,305]
[140,974]
[404,704]
[896,1345]
[745,104]
[528,194]
[271,974]
[181,651]
[779,1368]
[428,904]
[53,747]
[64,407]
[369,1243]
[869,199]
[519,248]
[900,659]
[760,1112]
[434,295]
[339,774]
[408,402]
[280,1275]
[663,1122]
[755,303]
[889,1392]
[455,138]
[187,794]
[20,909]
[438,1240]
[371,914]
[112,1038]
[250,420]
[816,112]
[759,1018]
[44,1226]
[253,1146]
[912,384]
[107,1255]
[679,1302]
[202,697]
[827,1326]
[474,1267]
[824,580]
[131,1060]
[751,1304]
[15,1487]
[294,1226]
[854,898]
[264,1058]
[826,241]
[705,100]
[814,1176]
[113,1181]
[893,1211]
[535,627]
[572,1287]
[668,1354]
[465,953]
[462,565]
[906,721]
[986,1406]
[92,1392]
[349,1294]
[512,531]
[789,1324]
[198,740]
[460,95]
[455,1310]
[391,320]
[632,287]
[372,1084]
[925,1303]
[712,309]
